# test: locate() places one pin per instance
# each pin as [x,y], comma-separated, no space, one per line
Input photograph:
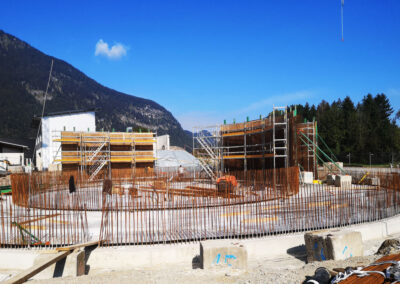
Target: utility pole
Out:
[370,155]
[349,155]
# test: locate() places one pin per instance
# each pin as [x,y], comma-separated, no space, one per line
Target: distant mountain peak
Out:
[23,75]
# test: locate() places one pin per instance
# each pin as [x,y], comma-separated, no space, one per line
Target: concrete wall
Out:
[138,257]
[85,121]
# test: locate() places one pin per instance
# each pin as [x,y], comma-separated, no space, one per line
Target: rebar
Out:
[163,207]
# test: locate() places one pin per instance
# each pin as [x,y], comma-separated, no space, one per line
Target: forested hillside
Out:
[367,127]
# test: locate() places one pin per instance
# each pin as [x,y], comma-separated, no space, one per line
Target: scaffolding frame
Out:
[264,141]
[93,151]
[207,148]
[280,145]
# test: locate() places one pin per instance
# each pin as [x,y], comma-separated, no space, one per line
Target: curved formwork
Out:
[165,208]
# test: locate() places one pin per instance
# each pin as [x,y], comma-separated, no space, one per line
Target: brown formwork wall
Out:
[71,147]
[297,151]
[307,163]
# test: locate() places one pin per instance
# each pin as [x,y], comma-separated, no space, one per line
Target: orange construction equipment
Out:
[228,179]
[226,184]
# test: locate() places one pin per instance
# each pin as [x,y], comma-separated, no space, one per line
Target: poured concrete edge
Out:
[148,256]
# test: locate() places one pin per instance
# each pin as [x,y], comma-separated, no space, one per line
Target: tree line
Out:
[357,132]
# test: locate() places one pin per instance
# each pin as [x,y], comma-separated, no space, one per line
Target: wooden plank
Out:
[72,247]
[239,133]
[25,275]
[248,156]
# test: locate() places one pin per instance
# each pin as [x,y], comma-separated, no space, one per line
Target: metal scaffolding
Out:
[207,148]
[265,143]
[93,152]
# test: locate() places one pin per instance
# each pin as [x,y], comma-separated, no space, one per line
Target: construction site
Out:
[258,178]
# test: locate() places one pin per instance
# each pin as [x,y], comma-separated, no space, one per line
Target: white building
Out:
[162,142]
[52,125]
[11,156]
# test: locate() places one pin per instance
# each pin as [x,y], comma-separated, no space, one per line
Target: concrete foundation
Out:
[330,179]
[333,244]
[343,181]
[154,256]
[222,253]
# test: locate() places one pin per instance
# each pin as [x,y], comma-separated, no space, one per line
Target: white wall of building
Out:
[53,125]
[162,142]
[15,159]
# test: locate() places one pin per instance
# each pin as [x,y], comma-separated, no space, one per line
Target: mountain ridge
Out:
[24,73]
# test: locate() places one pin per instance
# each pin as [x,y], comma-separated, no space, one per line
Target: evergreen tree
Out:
[359,130]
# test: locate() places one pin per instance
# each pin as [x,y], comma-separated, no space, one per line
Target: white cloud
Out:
[115,52]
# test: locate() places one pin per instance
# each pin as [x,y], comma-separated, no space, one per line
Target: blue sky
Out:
[206,61]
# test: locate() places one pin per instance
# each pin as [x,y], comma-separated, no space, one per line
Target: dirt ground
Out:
[285,270]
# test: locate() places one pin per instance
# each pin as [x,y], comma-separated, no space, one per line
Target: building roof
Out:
[74,111]
[175,158]
[36,119]
[12,142]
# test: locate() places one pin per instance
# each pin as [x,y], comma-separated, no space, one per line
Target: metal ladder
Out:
[96,151]
[207,169]
[97,158]
[309,131]
[210,150]
[280,145]
[97,167]
[206,147]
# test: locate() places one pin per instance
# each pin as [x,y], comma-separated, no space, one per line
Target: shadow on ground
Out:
[298,252]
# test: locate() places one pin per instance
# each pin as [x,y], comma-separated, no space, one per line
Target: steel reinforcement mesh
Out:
[165,207]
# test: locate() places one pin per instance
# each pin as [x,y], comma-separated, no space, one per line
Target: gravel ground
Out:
[284,270]
[290,268]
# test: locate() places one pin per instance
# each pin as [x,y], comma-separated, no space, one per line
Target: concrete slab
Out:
[330,179]
[307,177]
[223,253]
[344,244]
[343,181]
[333,244]
[316,246]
